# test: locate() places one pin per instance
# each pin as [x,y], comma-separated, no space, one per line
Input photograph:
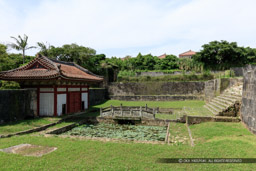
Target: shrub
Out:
[9,85]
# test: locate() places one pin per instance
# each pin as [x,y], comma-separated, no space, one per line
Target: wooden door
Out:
[74,102]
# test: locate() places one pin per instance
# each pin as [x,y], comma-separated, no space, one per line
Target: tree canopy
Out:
[219,55]
[11,61]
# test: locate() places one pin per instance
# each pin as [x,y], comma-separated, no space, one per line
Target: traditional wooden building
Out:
[62,87]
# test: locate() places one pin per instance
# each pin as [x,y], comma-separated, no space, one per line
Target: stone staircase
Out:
[226,100]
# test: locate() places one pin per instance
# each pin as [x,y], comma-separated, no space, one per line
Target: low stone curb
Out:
[30,130]
[93,120]
[40,128]
[200,119]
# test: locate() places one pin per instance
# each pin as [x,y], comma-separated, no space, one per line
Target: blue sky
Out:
[127,27]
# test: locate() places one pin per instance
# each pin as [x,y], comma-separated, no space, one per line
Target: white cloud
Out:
[133,25]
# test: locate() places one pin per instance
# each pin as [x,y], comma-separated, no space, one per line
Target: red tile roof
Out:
[162,56]
[188,53]
[44,68]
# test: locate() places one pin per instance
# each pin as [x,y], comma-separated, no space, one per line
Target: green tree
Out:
[71,53]
[168,63]
[3,58]
[221,55]
[21,44]
[44,47]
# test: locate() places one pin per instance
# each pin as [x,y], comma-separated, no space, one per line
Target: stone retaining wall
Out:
[248,107]
[156,88]
[238,71]
[97,96]
[17,104]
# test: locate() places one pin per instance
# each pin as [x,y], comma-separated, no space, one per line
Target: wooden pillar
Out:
[88,94]
[80,98]
[67,101]
[55,100]
[38,101]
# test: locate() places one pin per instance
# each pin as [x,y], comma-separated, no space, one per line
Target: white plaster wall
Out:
[85,99]
[46,107]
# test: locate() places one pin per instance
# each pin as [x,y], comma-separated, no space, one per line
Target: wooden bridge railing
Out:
[128,111]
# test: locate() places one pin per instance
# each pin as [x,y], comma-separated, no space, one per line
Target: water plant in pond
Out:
[129,132]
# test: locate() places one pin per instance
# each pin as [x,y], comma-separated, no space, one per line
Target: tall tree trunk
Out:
[23,55]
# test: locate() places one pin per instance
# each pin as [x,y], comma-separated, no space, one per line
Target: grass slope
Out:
[25,125]
[163,104]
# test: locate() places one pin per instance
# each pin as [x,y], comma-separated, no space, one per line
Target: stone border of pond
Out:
[103,139]
[96,120]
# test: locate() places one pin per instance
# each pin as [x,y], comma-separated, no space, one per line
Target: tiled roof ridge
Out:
[43,62]
[48,61]
[77,66]
[187,52]
[62,62]
[87,71]
[53,70]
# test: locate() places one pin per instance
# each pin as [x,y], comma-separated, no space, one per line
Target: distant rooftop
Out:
[162,56]
[187,54]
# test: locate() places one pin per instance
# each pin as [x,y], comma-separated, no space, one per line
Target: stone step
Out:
[213,108]
[221,103]
[231,100]
[212,111]
[236,95]
[217,106]
[232,96]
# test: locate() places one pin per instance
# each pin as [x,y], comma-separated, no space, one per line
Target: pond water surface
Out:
[116,131]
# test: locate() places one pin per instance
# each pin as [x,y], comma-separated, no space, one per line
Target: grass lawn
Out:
[163,104]
[23,125]
[212,140]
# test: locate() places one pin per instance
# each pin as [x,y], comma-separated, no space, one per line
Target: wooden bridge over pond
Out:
[128,113]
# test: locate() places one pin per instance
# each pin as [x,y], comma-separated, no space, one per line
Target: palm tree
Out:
[44,47]
[21,44]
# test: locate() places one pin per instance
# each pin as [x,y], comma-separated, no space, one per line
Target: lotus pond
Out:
[116,131]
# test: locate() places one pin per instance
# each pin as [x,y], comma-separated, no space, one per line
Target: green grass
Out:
[215,130]
[191,111]
[23,125]
[179,134]
[62,124]
[192,107]
[163,104]
[218,140]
